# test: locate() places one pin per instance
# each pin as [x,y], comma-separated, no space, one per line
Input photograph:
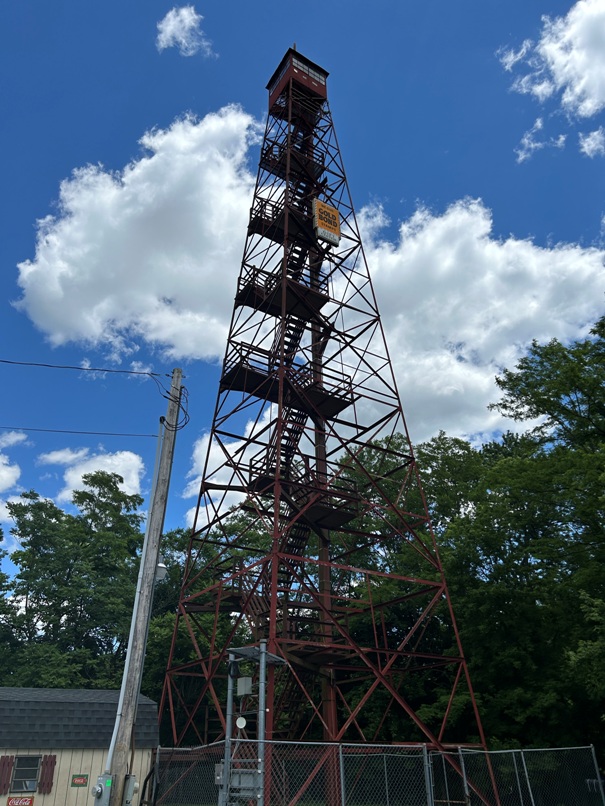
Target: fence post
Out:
[154,783]
[262,709]
[446,783]
[531,794]
[428,776]
[519,787]
[467,794]
[343,798]
[226,777]
[386,777]
[596,766]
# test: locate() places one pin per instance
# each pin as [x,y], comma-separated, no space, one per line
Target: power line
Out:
[69,431]
[155,376]
[80,369]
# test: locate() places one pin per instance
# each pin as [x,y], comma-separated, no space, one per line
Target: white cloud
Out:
[79,462]
[529,144]
[149,254]
[181,28]
[9,543]
[152,255]
[509,58]
[593,143]
[64,456]
[9,474]
[458,305]
[568,60]
[10,438]
[223,473]
[138,366]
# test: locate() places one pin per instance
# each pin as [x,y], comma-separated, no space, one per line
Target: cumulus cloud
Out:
[198,462]
[81,461]
[152,256]
[10,438]
[63,456]
[567,62]
[149,253]
[75,464]
[530,142]
[9,543]
[4,518]
[9,474]
[181,28]
[459,304]
[593,143]
[218,463]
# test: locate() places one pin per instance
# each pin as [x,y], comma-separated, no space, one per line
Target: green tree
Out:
[588,659]
[74,586]
[520,523]
[8,640]
[506,539]
[165,602]
[562,388]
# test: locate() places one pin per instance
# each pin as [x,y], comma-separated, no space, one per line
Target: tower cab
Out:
[301,70]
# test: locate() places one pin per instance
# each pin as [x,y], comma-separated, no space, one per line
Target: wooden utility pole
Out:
[117,767]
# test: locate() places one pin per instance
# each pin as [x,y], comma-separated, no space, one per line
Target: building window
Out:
[25,773]
[309,70]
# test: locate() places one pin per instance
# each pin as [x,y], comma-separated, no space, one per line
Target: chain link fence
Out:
[249,773]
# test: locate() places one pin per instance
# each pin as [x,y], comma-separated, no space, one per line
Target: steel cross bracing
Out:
[311,530]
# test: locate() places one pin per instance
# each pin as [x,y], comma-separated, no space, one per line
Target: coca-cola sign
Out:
[20,801]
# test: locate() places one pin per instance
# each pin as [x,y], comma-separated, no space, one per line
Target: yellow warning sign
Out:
[326,221]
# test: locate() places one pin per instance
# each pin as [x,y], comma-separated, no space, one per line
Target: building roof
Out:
[55,718]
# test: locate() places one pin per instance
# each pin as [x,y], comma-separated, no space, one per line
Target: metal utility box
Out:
[244,686]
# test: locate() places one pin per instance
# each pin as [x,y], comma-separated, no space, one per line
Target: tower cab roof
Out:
[306,73]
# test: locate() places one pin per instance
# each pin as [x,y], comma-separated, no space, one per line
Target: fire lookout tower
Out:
[312,534]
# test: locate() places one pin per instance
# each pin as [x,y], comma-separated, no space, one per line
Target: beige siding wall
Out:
[75,762]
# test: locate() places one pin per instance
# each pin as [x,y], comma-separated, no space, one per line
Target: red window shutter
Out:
[47,770]
[6,770]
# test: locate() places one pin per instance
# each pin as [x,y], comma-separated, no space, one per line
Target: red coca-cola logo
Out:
[20,802]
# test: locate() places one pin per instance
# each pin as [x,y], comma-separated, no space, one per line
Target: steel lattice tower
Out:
[312,530]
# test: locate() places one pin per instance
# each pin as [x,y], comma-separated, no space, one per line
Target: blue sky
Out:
[472,134]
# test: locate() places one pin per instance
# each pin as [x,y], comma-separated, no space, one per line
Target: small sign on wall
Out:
[79,780]
[326,221]
[19,800]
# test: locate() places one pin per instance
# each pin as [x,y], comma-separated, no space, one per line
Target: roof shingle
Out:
[54,718]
